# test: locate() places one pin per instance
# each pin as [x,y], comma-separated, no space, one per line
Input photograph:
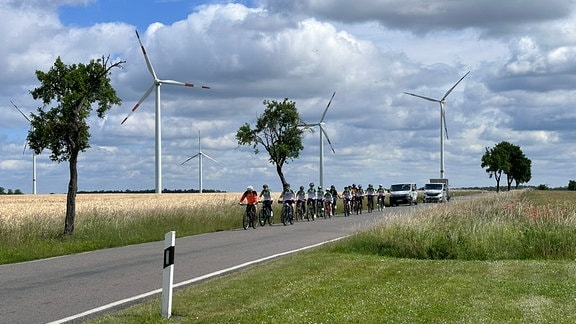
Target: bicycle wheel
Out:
[245,220]
[262,216]
[270,217]
[310,211]
[320,209]
[301,212]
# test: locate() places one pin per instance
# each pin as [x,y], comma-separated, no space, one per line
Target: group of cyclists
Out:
[315,202]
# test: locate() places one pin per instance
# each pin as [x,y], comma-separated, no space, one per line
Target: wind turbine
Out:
[323,133]
[33,154]
[156,84]
[200,155]
[443,128]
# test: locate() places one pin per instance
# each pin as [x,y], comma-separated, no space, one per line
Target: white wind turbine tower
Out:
[323,133]
[443,128]
[33,154]
[200,156]
[156,84]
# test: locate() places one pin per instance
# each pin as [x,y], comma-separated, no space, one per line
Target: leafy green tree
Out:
[509,159]
[278,131]
[495,161]
[572,185]
[63,128]
[2,190]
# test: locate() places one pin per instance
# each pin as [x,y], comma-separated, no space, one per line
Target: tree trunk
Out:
[281,175]
[497,176]
[71,197]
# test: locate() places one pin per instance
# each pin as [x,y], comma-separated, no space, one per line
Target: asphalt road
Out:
[61,289]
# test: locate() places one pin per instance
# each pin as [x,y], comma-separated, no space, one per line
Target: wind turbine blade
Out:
[190,158]
[13,104]
[146,94]
[148,63]
[327,106]
[327,138]
[208,156]
[186,84]
[444,120]
[425,98]
[454,86]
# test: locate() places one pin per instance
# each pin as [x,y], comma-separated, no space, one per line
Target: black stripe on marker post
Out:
[168,256]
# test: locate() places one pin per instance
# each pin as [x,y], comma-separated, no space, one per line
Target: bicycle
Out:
[320,212]
[381,203]
[286,215]
[249,217]
[266,216]
[328,209]
[370,203]
[358,205]
[347,207]
[300,211]
[310,210]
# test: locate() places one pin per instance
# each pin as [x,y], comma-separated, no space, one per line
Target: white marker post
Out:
[168,274]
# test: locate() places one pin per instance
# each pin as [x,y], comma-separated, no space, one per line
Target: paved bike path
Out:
[54,289]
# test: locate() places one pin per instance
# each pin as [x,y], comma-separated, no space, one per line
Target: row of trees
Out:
[506,158]
[3,191]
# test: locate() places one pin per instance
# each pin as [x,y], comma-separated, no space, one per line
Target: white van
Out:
[403,193]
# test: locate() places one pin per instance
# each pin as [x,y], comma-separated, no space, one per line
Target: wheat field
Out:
[19,208]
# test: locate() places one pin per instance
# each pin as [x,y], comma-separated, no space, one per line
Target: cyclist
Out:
[251,197]
[311,192]
[381,194]
[370,191]
[267,199]
[359,198]
[301,199]
[347,196]
[288,196]
[328,202]
[319,200]
[335,198]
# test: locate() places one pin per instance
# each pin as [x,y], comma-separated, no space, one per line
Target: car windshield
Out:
[433,186]
[400,187]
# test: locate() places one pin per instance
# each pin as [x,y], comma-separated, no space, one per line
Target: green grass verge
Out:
[327,286]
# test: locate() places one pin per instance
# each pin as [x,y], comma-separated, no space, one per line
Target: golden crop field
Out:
[16,208]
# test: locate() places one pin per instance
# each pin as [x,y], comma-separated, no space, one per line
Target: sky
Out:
[520,54]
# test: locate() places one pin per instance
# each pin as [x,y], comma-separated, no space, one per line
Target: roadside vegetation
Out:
[505,257]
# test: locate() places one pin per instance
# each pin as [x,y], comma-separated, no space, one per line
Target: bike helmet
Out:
[265,186]
[249,188]
[311,184]
[286,185]
[319,188]
[301,187]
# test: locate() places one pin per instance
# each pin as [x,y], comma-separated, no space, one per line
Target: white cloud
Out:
[519,90]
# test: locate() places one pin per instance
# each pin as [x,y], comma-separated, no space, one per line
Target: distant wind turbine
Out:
[33,154]
[200,155]
[323,133]
[156,83]
[443,127]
